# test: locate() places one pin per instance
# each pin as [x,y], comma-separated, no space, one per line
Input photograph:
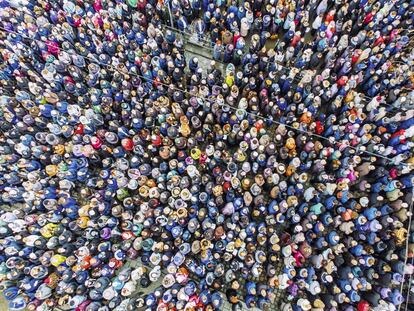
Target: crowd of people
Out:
[291,172]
